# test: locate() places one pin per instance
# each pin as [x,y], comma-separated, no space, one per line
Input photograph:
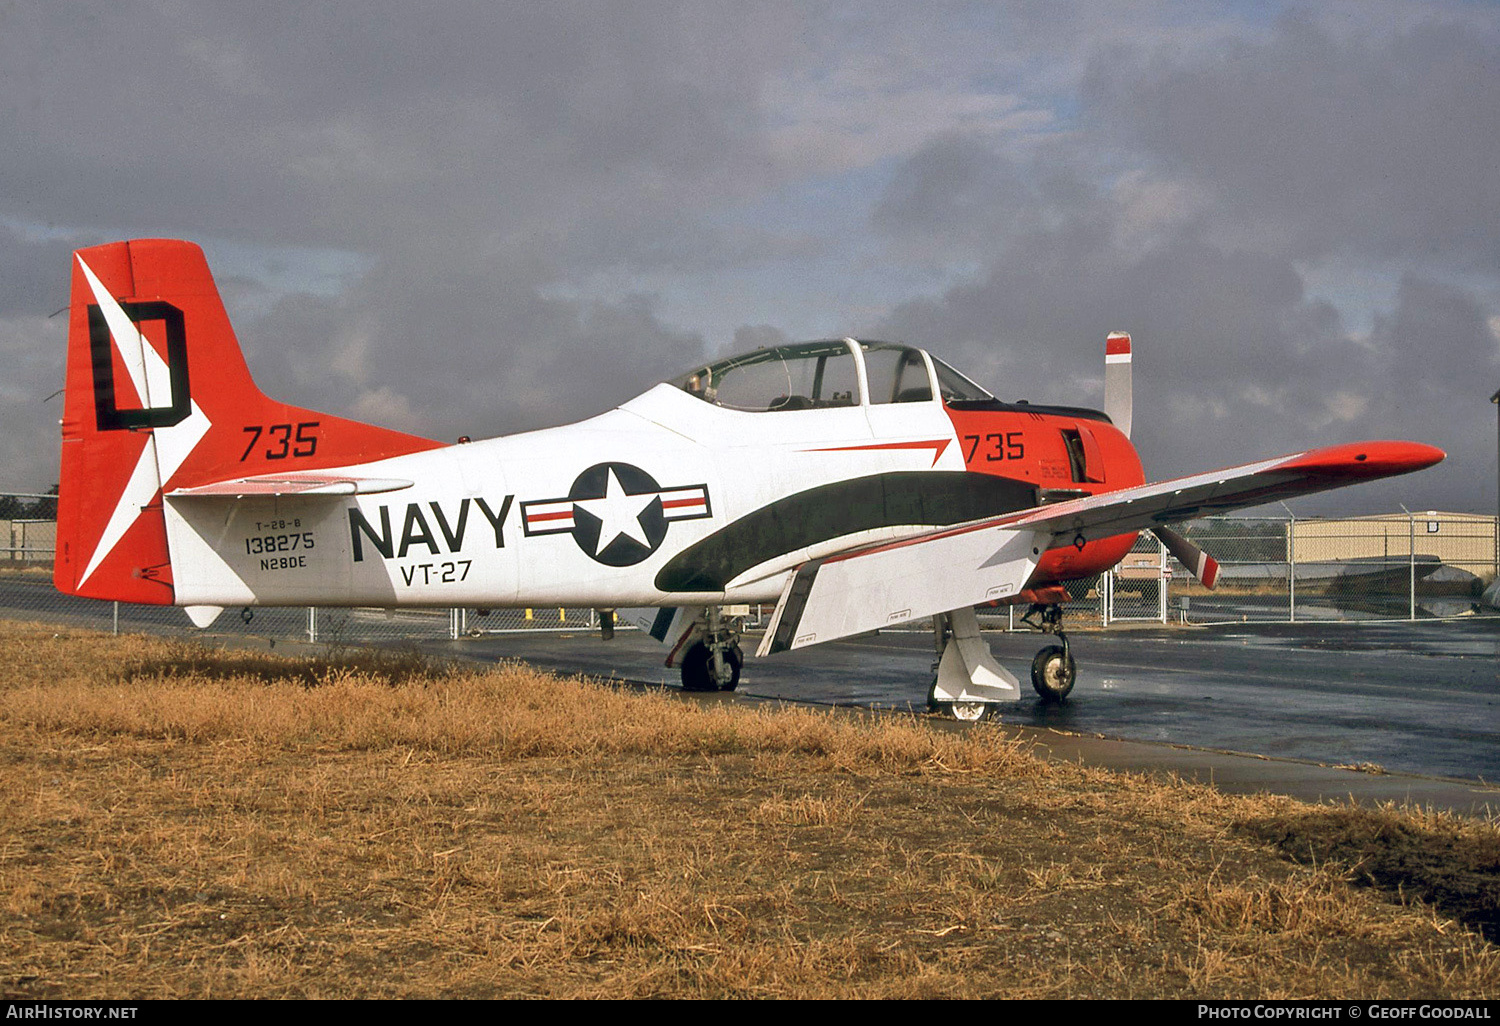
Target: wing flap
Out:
[884,585]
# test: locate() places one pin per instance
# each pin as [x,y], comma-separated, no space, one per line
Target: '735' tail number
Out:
[281,441]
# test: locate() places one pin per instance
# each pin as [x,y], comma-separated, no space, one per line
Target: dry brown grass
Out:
[181,823]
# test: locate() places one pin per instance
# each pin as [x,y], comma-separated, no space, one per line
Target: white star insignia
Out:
[618,513]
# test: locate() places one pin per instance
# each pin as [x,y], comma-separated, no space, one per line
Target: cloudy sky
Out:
[480,218]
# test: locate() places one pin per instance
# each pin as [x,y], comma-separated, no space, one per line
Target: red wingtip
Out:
[1359,460]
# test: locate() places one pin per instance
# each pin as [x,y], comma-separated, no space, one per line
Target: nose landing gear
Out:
[1053,671]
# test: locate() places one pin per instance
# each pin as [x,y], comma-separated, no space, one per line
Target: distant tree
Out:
[1240,540]
[14,507]
[46,509]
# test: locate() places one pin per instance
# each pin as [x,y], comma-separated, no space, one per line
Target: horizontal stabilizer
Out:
[292,484]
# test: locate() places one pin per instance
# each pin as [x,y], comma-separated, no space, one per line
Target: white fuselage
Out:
[519,520]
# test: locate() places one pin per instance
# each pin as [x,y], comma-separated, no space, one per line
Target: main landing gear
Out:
[713,662]
[967,682]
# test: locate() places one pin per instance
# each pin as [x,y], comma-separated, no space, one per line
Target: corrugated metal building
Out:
[1466,541]
[28,541]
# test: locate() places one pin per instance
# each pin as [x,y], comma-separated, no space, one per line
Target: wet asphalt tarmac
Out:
[1285,708]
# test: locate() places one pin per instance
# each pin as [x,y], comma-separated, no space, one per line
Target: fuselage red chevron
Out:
[182,483]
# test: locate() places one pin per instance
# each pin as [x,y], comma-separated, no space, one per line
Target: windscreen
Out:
[954,386]
[810,376]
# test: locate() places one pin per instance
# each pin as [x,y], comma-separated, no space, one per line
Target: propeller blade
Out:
[1200,563]
[1117,400]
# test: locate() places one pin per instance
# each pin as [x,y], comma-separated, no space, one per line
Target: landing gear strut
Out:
[713,663]
[967,682]
[1053,671]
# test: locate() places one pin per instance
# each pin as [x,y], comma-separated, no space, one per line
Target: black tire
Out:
[697,669]
[963,712]
[1053,673]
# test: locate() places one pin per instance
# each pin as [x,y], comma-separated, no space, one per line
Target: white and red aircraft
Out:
[854,484]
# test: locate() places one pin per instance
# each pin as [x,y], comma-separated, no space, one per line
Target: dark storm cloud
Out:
[494,209]
[1186,209]
[337,124]
[446,364]
[1235,361]
[1432,367]
[34,273]
[1386,145]
[33,285]
[478,162]
[957,194]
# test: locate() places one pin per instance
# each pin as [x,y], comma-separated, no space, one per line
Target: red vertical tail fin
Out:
[158,396]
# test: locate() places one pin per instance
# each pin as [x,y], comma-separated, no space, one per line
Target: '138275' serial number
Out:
[264,543]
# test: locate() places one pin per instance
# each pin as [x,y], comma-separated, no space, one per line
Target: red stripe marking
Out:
[938,445]
[532,518]
[678,503]
[1116,345]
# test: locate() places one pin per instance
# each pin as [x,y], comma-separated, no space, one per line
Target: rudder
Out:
[157,394]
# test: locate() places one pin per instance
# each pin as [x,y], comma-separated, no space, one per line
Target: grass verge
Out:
[176,822]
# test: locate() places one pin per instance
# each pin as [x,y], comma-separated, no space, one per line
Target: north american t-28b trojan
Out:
[854,484]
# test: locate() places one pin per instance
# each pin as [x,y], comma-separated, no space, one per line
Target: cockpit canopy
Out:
[825,375]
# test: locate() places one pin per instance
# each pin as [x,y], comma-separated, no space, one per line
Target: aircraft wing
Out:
[309,484]
[873,586]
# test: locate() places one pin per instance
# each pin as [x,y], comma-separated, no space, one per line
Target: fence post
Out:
[116,629]
[1411,558]
[1161,578]
[312,624]
[1291,569]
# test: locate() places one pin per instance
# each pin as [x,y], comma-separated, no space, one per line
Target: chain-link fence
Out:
[1411,566]
[28,526]
[26,593]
